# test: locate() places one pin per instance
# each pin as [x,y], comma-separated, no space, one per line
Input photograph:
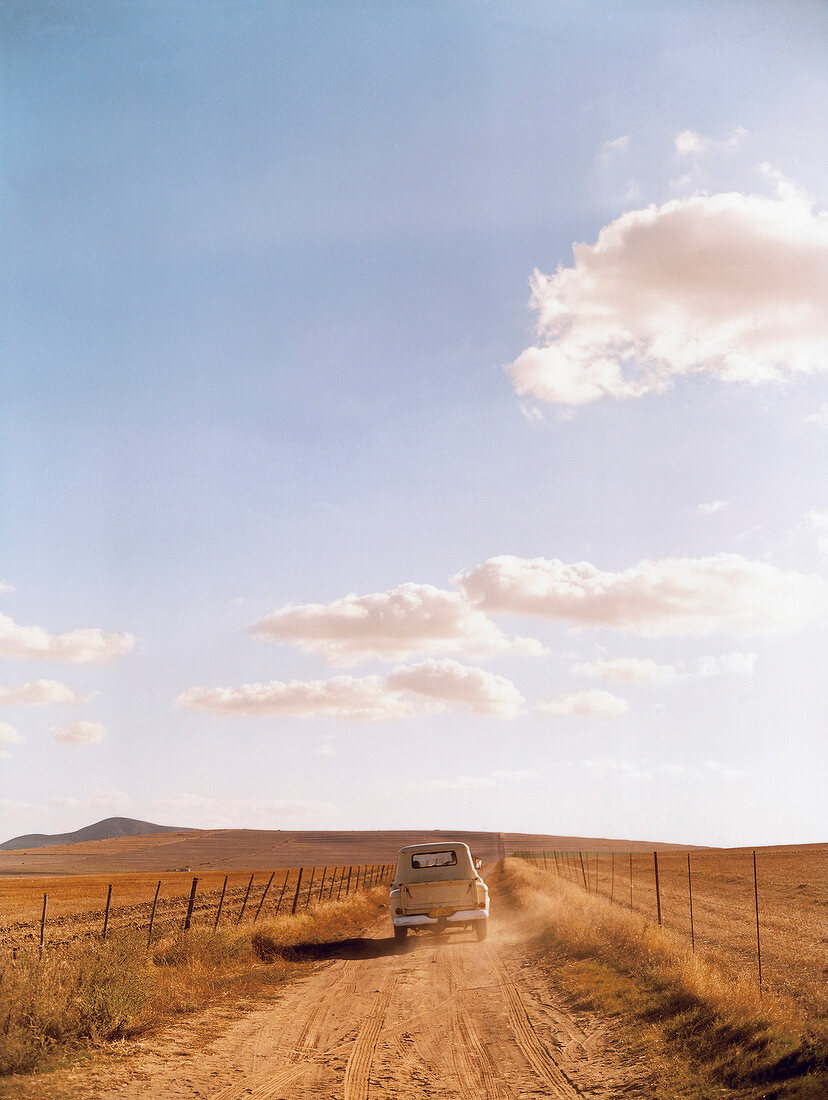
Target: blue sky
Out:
[270,358]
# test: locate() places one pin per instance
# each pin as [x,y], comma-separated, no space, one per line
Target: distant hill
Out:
[107,829]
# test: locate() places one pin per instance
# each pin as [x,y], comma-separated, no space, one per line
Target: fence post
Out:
[282,894]
[347,892]
[264,895]
[296,895]
[106,911]
[690,893]
[152,914]
[341,883]
[310,887]
[658,892]
[333,883]
[322,884]
[612,875]
[221,902]
[583,872]
[43,923]
[557,865]
[244,903]
[756,900]
[631,904]
[189,916]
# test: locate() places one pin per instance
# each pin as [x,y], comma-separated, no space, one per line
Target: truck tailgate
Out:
[423,897]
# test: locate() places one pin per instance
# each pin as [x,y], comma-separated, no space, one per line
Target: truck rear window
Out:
[433,859]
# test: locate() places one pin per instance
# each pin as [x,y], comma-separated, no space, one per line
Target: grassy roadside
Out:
[711,1028]
[90,992]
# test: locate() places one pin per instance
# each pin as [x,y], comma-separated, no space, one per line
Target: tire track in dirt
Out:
[476,1075]
[358,1069]
[527,1038]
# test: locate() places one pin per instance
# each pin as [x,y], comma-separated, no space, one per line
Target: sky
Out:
[415,416]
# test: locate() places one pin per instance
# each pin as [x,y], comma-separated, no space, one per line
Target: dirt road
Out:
[441,1017]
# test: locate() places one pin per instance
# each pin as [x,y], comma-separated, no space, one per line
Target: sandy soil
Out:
[441,1017]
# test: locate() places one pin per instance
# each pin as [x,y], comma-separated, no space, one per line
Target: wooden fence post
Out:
[756,900]
[333,883]
[310,887]
[631,903]
[612,876]
[189,917]
[347,892]
[43,923]
[244,903]
[690,893]
[657,890]
[583,872]
[106,911]
[221,903]
[264,895]
[322,883]
[296,895]
[282,894]
[152,914]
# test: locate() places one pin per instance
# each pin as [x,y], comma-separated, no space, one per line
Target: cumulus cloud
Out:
[8,736]
[583,704]
[412,618]
[366,699]
[627,670]
[88,646]
[427,688]
[712,506]
[730,285]
[643,670]
[820,417]
[688,141]
[672,596]
[450,682]
[6,588]
[41,692]
[79,733]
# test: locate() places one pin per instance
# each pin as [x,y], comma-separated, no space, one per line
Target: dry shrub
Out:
[617,961]
[90,991]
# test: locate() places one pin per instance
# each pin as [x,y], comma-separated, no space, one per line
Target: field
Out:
[574,993]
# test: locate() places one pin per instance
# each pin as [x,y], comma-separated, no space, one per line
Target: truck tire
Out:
[481,929]
[399,933]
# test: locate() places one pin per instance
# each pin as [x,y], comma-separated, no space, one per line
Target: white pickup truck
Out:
[436,887]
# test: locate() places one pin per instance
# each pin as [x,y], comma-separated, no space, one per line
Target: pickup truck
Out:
[436,887]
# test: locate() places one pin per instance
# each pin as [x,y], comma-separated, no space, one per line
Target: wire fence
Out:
[764,910]
[208,902]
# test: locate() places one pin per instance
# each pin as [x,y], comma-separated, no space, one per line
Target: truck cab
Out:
[437,887]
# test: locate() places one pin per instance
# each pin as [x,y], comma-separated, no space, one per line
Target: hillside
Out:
[107,829]
[261,849]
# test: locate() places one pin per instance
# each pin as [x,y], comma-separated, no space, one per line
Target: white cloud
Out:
[614,148]
[427,688]
[621,767]
[728,664]
[412,618]
[712,506]
[460,783]
[366,699]
[730,285]
[450,682]
[820,416]
[583,704]
[91,646]
[673,596]
[689,142]
[6,588]
[41,692]
[8,736]
[627,670]
[79,733]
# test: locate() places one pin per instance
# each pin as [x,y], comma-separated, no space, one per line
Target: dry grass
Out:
[88,992]
[712,1022]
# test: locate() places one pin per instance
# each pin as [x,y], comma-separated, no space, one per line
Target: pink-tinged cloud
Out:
[673,596]
[454,684]
[428,688]
[410,619]
[583,704]
[41,692]
[80,733]
[366,699]
[627,670]
[33,643]
[730,285]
